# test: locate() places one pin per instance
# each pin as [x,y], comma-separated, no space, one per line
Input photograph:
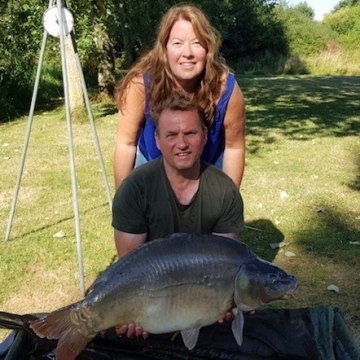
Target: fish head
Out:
[260,282]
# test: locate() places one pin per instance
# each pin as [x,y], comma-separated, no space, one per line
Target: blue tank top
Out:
[216,138]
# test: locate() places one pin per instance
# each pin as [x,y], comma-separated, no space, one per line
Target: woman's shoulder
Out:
[228,82]
[131,88]
[138,80]
[135,90]
[229,79]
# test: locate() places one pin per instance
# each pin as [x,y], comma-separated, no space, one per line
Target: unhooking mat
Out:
[318,333]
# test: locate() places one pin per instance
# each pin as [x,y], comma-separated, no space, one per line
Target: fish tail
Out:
[58,325]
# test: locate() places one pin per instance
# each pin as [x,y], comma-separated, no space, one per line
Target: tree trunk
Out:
[125,21]
[106,64]
[76,95]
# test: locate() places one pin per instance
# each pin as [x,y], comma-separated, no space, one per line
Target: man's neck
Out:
[184,183]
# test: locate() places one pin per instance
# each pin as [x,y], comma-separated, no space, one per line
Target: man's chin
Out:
[185,165]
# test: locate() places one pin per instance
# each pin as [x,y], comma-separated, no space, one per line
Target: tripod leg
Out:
[27,137]
[92,122]
[71,152]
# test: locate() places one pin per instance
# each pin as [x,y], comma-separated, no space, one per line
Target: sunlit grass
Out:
[333,63]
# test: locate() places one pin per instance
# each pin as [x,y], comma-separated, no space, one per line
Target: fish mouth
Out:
[291,292]
[289,295]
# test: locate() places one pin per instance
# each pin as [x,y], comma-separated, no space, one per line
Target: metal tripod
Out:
[60,21]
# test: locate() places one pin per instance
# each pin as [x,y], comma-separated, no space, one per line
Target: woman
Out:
[185,57]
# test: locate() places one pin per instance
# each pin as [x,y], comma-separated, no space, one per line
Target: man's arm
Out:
[234,236]
[126,242]
[229,316]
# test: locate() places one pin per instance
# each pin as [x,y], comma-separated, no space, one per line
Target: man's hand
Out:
[230,316]
[131,331]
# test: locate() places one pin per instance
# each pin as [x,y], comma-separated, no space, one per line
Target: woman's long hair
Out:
[155,63]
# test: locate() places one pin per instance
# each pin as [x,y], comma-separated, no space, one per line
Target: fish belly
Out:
[182,307]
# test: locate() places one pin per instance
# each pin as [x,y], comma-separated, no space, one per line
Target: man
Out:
[176,192]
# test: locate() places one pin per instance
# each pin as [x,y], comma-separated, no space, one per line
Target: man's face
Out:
[181,138]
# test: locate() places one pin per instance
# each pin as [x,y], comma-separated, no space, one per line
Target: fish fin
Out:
[58,325]
[15,321]
[237,327]
[71,345]
[190,337]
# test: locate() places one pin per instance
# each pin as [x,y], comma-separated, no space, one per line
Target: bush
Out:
[304,35]
[346,23]
[16,82]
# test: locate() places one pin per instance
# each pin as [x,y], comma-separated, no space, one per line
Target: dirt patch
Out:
[26,194]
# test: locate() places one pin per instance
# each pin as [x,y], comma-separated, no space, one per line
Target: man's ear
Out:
[157,140]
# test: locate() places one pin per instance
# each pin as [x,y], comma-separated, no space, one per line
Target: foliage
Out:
[19,44]
[305,9]
[90,17]
[346,3]
[134,19]
[304,35]
[346,23]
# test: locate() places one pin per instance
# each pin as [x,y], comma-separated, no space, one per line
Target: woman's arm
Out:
[234,124]
[131,116]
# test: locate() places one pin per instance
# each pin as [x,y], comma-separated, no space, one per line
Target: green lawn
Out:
[301,187]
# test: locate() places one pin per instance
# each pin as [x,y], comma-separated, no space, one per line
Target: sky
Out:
[320,7]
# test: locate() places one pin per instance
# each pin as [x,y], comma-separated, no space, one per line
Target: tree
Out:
[305,9]
[346,23]
[304,35]
[346,3]
[136,25]
[93,30]
[21,30]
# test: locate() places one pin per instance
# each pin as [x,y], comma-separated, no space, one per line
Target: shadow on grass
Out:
[332,243]
[102,110]
[355,184]
[333,235]
[53,223]
[258,234]
[301,108]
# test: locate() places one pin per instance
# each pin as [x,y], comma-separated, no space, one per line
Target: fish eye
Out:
[273,279]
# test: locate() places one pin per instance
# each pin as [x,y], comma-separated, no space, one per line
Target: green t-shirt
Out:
[146,203]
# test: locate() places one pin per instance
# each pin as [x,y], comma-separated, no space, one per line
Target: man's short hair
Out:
[178,101]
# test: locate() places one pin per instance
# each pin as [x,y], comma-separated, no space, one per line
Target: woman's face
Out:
[186,57]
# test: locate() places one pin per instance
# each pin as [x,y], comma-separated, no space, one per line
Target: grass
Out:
[302,141]
[332,61]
